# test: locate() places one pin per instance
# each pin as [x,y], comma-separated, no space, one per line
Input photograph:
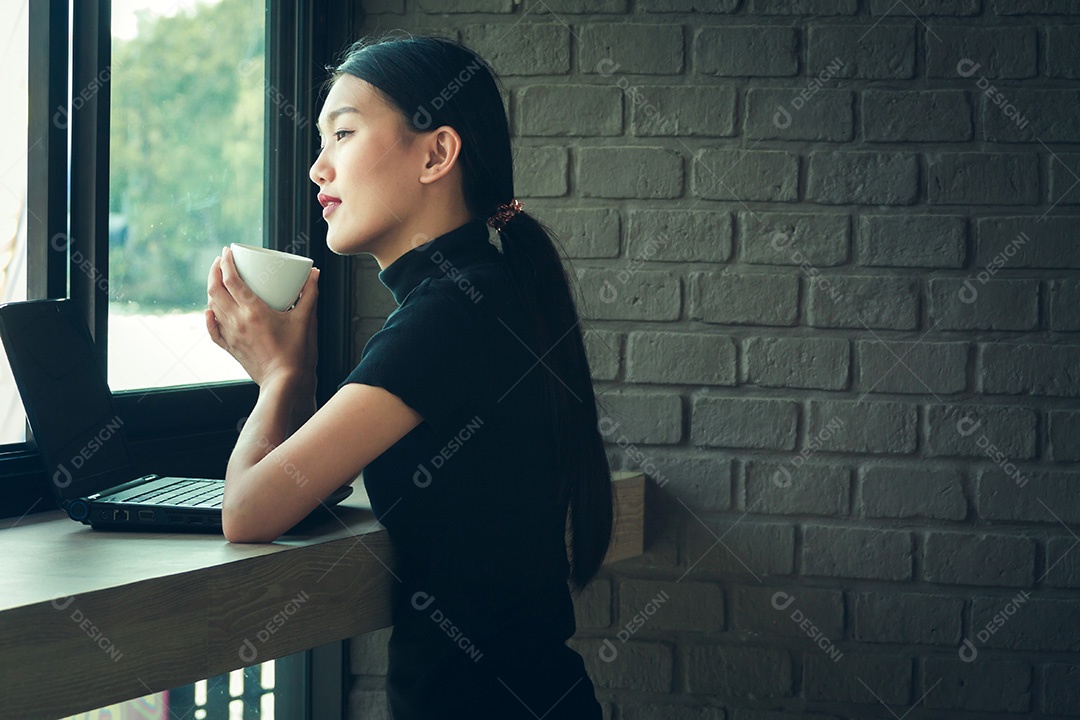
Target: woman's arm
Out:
[289,456]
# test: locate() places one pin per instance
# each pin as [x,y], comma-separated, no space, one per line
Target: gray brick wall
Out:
[844,246]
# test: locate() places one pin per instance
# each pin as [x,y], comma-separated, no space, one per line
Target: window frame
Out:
[183,430]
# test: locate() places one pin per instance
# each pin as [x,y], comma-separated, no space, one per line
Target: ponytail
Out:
[583,473]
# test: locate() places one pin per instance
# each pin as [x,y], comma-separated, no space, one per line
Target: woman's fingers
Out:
[217,292]
[230,277]
[213,329]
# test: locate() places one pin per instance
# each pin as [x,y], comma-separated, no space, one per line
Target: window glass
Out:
[14,66]
[186,178]
[245,694]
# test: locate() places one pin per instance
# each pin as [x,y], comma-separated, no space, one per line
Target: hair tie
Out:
[504,212]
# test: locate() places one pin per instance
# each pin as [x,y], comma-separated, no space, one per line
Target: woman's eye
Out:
[341,133]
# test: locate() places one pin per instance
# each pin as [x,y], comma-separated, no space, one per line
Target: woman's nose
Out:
[320,170]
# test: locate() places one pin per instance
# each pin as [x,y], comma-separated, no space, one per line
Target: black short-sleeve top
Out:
[468,496]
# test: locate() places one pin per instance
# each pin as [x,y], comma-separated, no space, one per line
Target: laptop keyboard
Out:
[179,492]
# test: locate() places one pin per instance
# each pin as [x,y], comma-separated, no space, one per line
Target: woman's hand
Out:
[264,341]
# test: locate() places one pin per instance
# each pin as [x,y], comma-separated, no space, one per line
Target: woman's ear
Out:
[441,151]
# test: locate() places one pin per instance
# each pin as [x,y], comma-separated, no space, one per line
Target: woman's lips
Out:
[329,203]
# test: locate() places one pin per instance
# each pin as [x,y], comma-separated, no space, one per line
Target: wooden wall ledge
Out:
[90,618]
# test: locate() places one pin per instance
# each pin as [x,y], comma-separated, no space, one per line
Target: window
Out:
[156,133]
[185,177]
[14,17]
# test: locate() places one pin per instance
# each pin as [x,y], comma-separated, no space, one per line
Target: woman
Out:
[471,412]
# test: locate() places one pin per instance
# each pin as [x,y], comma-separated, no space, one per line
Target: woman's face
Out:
[367,170]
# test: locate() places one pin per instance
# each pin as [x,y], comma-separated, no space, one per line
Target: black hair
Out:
[435,81]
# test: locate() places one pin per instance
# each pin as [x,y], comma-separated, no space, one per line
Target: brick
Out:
[867,301]
[1034,624]
[865,426]
[993,305]
[1035,7]
[740,547]
[703,6]
[584,232]
[631,49]
[628,294]
[912,367]
[819,239]
[756,611]
[570,110]
[1061,689]
[368,652]
[797,362]
[1062,562]
[929,241]
[384,6]
[699,111]
[799,114]
[467,6]
[630,665]
[898,617]
[978,559]
[979,178]
[1026,242]
[981,53]
[865,679]
[897,491]
[738,671]
[745,299]
[916,116]
[743,422]
[575,6]
[530,48]
[1064,186]
[856,553]
[540,171]
[1032,496]
[766,175]
[1064,297]
[746,51]
[922,8]
[1052,115]
[1063,52]
[1065,434]
[701,481]
[1030,369]
[679,235]
[660,605]
[883,52]
[592,608]
[643,417]
[670,712]
[629,172]
[804,7]
[680,357]
[996,686]
[602,348]
[865,178]
[802,490]
[971,430]
[368,704]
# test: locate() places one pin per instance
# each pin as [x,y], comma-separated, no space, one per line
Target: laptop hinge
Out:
[122,486]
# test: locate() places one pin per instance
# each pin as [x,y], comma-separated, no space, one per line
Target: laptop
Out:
[81,438]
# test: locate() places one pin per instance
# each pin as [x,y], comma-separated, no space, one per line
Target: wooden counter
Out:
[89,618]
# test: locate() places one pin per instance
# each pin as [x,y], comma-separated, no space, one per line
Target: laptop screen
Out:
[68,403]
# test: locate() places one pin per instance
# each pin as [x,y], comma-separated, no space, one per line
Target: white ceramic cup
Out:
[276,277]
